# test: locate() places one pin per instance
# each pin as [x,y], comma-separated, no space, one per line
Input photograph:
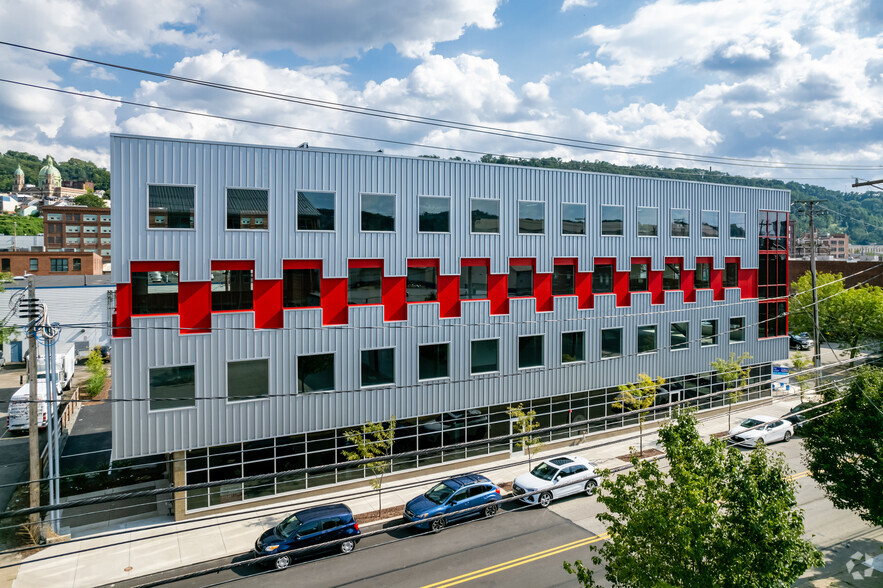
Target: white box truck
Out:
[65,363]
[18,417]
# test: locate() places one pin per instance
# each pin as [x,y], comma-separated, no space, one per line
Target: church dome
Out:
[18,171]
[49,174]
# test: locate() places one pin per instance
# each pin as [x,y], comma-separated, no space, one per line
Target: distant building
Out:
[74,228]
[45,263]
[50,186]
[828,246]
[21,243]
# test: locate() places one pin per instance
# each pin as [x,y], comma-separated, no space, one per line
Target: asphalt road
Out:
[526,547]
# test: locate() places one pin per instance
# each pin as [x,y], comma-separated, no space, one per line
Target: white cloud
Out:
[568,4]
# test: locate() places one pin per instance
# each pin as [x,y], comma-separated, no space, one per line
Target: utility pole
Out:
[874,183]
[817,344]
[36,470]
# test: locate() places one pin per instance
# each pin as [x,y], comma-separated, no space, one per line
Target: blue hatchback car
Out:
[307,528]
[453,498]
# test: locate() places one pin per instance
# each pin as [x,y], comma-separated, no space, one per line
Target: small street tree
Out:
[715,518]
[844,448]
[373,440]
[800,363]
[639,396]
[97,372]
[734,377]
[525,422]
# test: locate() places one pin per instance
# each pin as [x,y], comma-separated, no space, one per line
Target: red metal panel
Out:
[449,296]
[748,283]
[334,301]
[583,283]
[366,263]
[688,284]
[154,266]
[717,283]
[290,264]
[423,263]
[475,262]
[393,295]
[621,288]
[498,292]
[268,304]
[195,307]
[232,264]
[542,291]
[122,317]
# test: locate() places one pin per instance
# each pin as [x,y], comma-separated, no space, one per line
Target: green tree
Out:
[844,448]
[97,372]
[801,363]
[6,332]
[639,396]
[850,317]
[90,199]
[525,423]
[715,518]
[734,376]
[12,224]
[373,440]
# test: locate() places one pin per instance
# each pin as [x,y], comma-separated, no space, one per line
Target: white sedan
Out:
[761,429]
[557,477]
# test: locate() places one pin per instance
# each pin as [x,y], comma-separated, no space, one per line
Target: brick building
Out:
[80,229]
[51,263]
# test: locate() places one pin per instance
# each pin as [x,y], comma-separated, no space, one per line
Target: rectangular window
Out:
[90,229]
[365,285]
[90,218]
[671,276]
[531,218]
[611,343]
[154,292]
[520,281]
[315,373]
[709,333]
[771,276]
[680,222]
[72,228]
[72,240]
[105,252]
[530,351]
[5,264]
[648,222]
[710,224]
[602,279]
[737,225]
[646,338]
[562,280]
[434,214]
[105,230]
[378,367]
[172,387]
[248,380]
[232,290]
[57,264]
[473,282]
[301,288]
[53,216]
[485,215]
[379,213]
[34,264]
[680,336]
[245,205]
[573,219]
[90,240]
[170,207]
[432,361]
[639,278]
[573,347]
[315,211]
[485,356]
[737,329]
[422,284]
[611,220]
[772,319]
[703,275]
[105,218]
[77,264]
[731,275]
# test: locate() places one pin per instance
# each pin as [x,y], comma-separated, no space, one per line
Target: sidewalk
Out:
[150,548]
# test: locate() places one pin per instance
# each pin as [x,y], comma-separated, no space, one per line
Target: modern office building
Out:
[270,298]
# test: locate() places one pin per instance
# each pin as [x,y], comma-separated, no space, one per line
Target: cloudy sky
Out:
[797,81]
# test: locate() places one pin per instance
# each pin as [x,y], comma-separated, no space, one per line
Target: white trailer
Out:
[65,363]
[18,417]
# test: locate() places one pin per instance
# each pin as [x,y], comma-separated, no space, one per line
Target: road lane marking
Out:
[517,562]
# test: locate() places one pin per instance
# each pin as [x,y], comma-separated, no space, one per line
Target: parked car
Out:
[309,528]
[801,342]
[453,498]
[761,429]
[560,476]
[799,419]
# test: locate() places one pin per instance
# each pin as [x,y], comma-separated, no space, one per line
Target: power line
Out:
[459,125]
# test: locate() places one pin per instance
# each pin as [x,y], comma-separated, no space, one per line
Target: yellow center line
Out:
[516,562]
[797,476]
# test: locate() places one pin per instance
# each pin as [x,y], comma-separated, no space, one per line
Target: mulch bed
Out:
[721,434]
[392,512]
[647,453]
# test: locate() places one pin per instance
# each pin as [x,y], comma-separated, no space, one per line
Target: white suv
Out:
[557,477]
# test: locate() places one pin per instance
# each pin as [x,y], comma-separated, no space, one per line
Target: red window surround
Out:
[582,282]
[620,281]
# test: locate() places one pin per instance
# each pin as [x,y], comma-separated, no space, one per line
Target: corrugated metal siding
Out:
[212,167]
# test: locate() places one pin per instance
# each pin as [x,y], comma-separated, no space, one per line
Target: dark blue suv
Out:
[453,498]
[308,528]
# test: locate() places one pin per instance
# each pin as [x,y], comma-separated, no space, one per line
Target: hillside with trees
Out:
[72,169]
[858,214]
